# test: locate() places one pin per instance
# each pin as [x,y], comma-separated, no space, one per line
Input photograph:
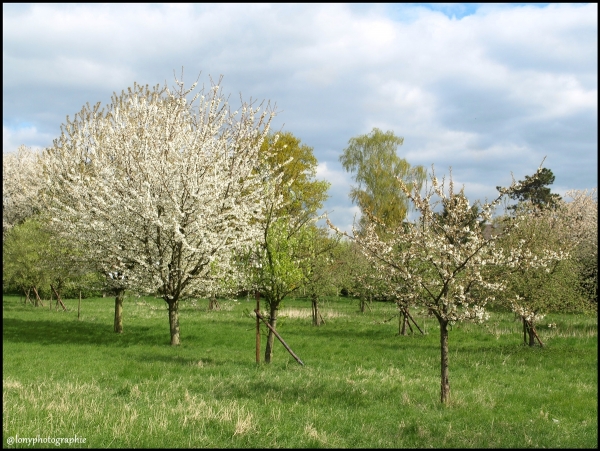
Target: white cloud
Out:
[486,89]
[26,135]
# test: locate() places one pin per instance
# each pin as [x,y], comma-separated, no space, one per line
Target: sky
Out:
[483,90]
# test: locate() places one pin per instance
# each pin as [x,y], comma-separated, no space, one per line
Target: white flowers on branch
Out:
[21,182]
[158,187]
[442,260]
[549,239]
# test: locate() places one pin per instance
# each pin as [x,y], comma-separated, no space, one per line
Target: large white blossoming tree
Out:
[21,183]
[439,260]
[157,187]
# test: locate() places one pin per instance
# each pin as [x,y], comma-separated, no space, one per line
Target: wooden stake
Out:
[257,328]
[37,297]
[79,306]
[58,299]
[258,315]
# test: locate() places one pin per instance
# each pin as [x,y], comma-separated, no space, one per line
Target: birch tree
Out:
[375,165]
[156,187]
[438,261]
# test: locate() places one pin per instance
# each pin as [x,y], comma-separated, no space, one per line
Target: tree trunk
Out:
[530,334]
[316,316]
[213,304]
[402,320]
[118,326]
[271,336]
[174,322]
[38,300]
[530,331]
[445,381]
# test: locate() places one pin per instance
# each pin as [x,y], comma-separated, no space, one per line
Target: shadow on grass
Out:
[78,332]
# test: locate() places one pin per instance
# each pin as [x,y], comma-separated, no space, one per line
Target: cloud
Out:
[485,89]
[25,135]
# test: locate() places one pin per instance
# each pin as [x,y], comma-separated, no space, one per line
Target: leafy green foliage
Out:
[23,252]
[34,257]
[376,166]
[279,265]
[301,192]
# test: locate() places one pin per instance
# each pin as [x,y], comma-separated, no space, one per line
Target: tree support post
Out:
[37,298]
[258,315]
[257,328]
[58,299]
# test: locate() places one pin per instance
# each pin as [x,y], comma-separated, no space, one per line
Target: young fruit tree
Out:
[438,260]
[157,187]
[562,230]
[279,265]
[321,270]
[281,262]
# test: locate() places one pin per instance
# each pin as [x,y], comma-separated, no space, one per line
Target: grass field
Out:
[362,385]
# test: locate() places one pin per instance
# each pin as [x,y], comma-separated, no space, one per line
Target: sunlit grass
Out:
[362,385]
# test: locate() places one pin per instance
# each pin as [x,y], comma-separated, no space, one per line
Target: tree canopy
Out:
[535,190]
[156,187]
[302,193]
[376,168]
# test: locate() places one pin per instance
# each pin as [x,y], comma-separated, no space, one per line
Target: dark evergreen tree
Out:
[536,191]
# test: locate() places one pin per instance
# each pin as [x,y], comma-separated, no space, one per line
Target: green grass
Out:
[362,385]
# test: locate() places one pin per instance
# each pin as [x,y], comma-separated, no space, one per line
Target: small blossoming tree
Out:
[439,261]
[554,237]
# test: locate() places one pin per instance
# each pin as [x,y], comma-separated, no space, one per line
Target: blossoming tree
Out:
[157,187]
[21,183]
[438,260]
[558,235]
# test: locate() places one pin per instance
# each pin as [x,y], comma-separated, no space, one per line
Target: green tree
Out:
[277,267]
[36,258]
[321,270]
[281,262]
[377,167]
[23,252]
[302,193]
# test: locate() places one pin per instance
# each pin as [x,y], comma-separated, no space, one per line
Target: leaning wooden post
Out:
[258,315]
[257,328]
[37,297]
[58,299]
[414,322]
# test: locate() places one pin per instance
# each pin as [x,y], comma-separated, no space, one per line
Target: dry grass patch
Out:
[306,313]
